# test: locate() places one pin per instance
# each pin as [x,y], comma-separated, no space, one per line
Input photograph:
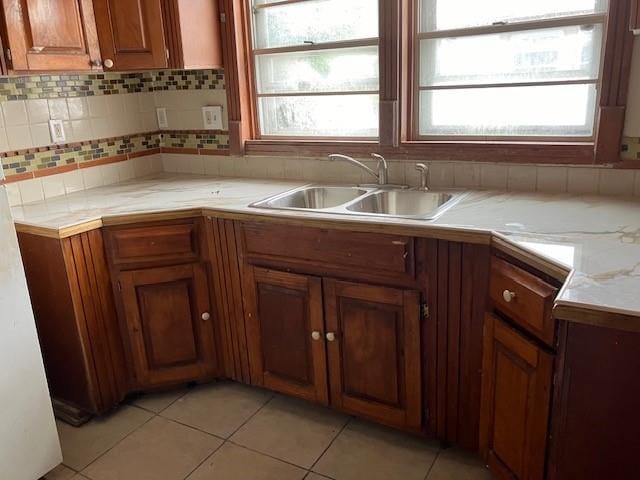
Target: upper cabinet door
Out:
[373,347]
[131,34]
[285,333]
[51,35]
[169,323]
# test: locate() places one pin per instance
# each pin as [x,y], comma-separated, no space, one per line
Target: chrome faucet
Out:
[383,168]
[424,176]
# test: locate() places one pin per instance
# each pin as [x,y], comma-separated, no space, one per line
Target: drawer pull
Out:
[331,336]
[316,335]
[508,296]
[206,316]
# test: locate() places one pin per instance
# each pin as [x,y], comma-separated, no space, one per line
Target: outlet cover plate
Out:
[161,115]
[56,128]
[212,117]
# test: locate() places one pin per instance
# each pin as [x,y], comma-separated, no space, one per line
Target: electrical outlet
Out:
[57,131]
[212,117]
[161,115]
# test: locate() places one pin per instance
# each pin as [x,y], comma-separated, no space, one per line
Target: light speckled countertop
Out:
[596,238]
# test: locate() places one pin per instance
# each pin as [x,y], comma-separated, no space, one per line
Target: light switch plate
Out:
[212,117]
[161,115]
[56,128]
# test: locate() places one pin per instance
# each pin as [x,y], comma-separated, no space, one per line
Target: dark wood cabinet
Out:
[169,321]
[285,333]
[373,345]
[516,394]
[51,35]
[635,16]
[150,34]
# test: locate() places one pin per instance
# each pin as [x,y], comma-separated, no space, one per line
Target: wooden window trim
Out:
[397,112]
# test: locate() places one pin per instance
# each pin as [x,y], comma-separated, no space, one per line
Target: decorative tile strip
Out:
[36,162]
[631,148]
[93,84]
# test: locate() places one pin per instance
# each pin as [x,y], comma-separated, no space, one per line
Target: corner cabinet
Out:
[167,312]
[50,35]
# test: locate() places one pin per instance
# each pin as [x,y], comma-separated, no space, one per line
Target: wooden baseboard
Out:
[69,414]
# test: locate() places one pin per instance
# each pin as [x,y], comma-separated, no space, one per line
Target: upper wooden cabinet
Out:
[148,34]
[50,35]
[635,16]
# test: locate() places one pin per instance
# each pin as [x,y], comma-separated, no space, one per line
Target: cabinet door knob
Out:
[206,316]
[331,336]
[108,63]
[508,295]
[316,335]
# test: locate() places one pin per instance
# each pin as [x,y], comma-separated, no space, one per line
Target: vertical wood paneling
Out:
[389,52]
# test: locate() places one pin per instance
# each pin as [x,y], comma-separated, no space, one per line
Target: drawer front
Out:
[523,297]
[154,243]
[371,254]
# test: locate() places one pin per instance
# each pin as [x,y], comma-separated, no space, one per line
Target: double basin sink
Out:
[357,200]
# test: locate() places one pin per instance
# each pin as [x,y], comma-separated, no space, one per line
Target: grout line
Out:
[186,390]
[119,441]
[215,450]
[435,459]
[349,420]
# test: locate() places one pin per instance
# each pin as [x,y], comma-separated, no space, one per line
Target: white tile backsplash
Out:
[73,181]
[38,110]
[616,182]
[13,194]
[522,178]
[583,180]
[58,109]
[552,179]
[15,112]
[19,137]
[53,186]
[31,190]
[493,176]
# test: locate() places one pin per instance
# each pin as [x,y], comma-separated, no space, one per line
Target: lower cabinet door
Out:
[373,348]
[516,395]
[169,321]
[285,333]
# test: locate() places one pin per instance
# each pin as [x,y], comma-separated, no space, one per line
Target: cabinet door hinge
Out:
[8,54]
[119,286]
[424,310]
[223,17]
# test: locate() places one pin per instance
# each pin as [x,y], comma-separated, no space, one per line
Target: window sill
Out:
[566,153]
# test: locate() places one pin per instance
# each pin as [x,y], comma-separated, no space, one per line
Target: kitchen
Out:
[259,239]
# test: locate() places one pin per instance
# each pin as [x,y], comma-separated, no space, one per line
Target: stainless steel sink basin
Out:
[313,198]
[401,203]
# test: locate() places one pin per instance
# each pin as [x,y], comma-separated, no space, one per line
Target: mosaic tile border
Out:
[630,148]
[93,84]
[55,159]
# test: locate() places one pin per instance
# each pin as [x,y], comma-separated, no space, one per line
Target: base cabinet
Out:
[285,330]
[373,345]
[516,397]
[169,321]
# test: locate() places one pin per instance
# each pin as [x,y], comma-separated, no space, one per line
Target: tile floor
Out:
[226,431]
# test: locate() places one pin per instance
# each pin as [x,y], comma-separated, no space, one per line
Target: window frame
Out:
[397,54]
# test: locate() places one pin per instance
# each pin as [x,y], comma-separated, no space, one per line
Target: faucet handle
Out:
[424,175]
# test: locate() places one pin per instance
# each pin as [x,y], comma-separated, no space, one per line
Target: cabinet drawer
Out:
[379,255]
[149,243]
[523,297]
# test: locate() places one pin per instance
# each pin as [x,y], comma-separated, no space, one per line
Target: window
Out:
[316,68]
[507,68]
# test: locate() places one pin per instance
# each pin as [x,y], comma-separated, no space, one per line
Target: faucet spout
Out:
[336,156]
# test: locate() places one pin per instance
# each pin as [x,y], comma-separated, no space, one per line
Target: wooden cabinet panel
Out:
[169,321]
[373,349]
[51,35]
[283,311]
[525,298]
[131,34]
[516,392]
[141,244]
[635,16]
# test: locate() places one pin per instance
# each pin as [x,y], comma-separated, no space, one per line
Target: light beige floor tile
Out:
[157,402]
[315,476]
[291,430]
[231,462]
[79,476]
[60,473]
[160,450]
[364,450]
[458,465]
[81,446]
[219,409]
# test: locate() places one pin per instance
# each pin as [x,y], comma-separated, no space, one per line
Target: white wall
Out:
[632,123]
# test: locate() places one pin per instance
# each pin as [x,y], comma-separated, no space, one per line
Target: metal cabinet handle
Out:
[508,296]
[331,336]
[206,316]
[316,335]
